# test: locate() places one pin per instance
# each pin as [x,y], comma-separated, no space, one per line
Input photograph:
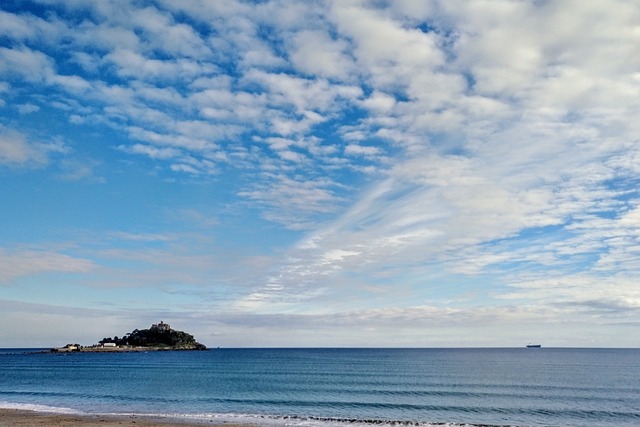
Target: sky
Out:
[321,173]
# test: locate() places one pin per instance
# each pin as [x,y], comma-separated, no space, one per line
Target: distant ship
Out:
[534,345]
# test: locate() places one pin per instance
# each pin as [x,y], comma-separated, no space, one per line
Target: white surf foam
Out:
[37,408]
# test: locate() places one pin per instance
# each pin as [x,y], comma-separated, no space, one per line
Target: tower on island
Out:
[161,326]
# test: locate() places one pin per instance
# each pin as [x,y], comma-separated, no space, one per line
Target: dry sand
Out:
[18,418]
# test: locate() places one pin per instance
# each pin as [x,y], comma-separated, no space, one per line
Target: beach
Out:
[20,418]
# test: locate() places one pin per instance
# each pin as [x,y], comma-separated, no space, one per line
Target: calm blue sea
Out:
[336,387]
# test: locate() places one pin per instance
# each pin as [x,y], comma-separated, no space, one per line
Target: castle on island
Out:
[161,326]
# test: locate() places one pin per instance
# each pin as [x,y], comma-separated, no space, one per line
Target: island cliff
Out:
[159,336]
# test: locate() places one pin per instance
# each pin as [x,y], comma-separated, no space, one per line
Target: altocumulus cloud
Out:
[441,163]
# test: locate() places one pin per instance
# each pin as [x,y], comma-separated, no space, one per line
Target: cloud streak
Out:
[14,264]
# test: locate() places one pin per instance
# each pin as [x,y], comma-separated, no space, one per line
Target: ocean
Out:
[336,387]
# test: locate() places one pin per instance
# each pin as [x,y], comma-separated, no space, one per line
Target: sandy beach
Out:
[19,418]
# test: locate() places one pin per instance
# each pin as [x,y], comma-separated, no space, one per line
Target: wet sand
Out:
[19,418]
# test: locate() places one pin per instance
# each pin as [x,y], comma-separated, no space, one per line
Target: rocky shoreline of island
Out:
[159,337]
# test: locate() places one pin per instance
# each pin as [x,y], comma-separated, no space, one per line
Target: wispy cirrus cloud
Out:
[18,263]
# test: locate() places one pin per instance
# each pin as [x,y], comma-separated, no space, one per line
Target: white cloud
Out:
[29,28]
[73,84]
[133,64]
[151,151]
[14,264]
[163,34]
[176,140]
[294,203]
[385,51]
[197,217]
[33,66]
[17,150]
[143,237]
[107,37]
[185,168]
[359,150]
[380,102]
[76,169]
[15,27]
[27,108]
[303,94]
[316,53]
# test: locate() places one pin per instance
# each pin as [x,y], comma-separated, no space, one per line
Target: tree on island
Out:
[159,335]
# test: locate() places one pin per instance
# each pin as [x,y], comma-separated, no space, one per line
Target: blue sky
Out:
[322,173]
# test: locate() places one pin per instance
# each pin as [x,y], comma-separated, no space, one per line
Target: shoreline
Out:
[28,418]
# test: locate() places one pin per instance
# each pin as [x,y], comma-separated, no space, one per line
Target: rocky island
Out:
[159,336]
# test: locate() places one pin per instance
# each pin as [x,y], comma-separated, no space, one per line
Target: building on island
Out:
[161,326]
